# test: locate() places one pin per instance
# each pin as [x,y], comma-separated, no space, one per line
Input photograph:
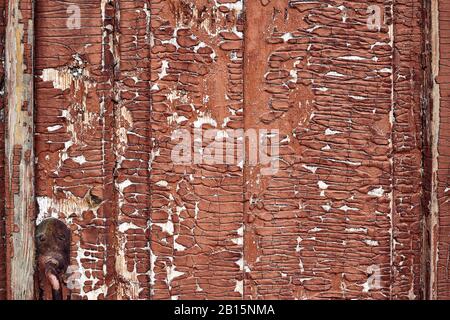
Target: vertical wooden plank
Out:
[427,243]
[3,10]
[75,59]
[197,222]
[440,145]
[406,139]
[337,220]
[132,148]
[431,232]
[19,150]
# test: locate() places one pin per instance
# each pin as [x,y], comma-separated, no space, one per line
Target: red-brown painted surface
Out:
[74,134]
[406,140]
[197,210]
[343,218]
[443,153]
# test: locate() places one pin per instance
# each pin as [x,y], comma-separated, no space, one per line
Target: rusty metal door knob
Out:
[53,254]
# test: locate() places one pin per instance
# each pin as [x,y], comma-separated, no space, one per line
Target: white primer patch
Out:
[176,118]
[287,36]
[124,184]
[80,159]
[372,243]
[335,74]
[352,58]
[373,281]
[54,128]
[356,230]
[329,132]
[385,70]
[164,67]
[172,274]
[240,239]
[240,263]
[239,286]
[322,185]
[176,245]
[310,168]
[347,208]
[125,226]
[162,183]
[204,118]
[379,192]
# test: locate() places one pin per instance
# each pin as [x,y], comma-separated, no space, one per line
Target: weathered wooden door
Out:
[108,88]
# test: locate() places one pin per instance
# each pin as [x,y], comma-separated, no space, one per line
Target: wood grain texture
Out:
[19,150]
[3,10]
[440,152]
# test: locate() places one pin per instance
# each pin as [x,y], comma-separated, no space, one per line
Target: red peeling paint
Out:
[347,216]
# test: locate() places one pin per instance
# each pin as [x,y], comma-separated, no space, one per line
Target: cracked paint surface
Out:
[341,219]
[196,220]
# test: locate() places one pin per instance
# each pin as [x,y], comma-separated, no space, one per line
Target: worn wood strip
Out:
[19,150]
[3,9]
[440,126]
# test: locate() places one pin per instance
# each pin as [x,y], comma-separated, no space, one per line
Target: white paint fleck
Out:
[356,230]
[124,184]
[352,58]
[358,97]
[372,243]
[335,74]
[378,192]
[239,287]
[172,274]
[164,67]
[310,168]
[176,245]
[175,118]
[322,185]
[80,159]
[125,226]
[240,263]
[162,183]
[345,162]
[385,70]
[196,210]
[204,118]
[287,36]
[329,132]
[240,239]
[166,227]
[347,208]
[54,128]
